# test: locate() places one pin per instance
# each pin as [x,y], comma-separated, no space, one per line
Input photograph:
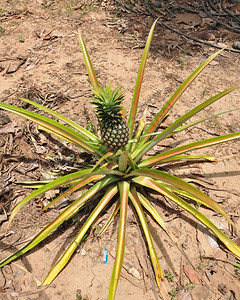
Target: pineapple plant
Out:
[109,110]
[123,173]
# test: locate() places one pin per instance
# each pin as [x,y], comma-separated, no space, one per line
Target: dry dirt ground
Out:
[40,58]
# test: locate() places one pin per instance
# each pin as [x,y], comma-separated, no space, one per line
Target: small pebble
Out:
[236,45]
[207,36]
[4,120]
[82,252]
[157,4]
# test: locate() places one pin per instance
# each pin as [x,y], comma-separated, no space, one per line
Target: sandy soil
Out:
[40,58]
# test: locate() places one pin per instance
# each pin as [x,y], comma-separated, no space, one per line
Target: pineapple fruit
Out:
[109,110]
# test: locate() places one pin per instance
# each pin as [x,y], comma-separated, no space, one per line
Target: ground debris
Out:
[4,119]
[191,274]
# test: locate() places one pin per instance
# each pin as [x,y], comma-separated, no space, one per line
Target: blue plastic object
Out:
[105,257]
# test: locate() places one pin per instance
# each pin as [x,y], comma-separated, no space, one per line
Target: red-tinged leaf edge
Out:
[136,94]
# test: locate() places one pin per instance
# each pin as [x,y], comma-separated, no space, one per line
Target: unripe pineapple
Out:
[113,127]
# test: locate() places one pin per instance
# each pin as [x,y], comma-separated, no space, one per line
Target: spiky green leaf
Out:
[124,193]
[136,94]
[112,190]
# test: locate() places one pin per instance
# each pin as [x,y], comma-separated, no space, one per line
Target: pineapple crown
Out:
[108,102]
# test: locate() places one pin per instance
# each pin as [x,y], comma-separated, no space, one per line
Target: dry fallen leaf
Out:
[25,149]
[208,36]
[191,274]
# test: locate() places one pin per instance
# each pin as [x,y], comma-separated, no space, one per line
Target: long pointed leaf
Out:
[76,126]
[164,156]
[75,187]
[184,127]
[88,63]
[155,262]
[141,125]
[58,134]
[111,217]
[179,183]
[180,192]
[169,104]
[181,158]
[124,191]
[59,182]
[136,94]
[112,190]
[170,129]
[197,214]
[64,180]
[108,154]
[147,205]
[64,215]
[55,127]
